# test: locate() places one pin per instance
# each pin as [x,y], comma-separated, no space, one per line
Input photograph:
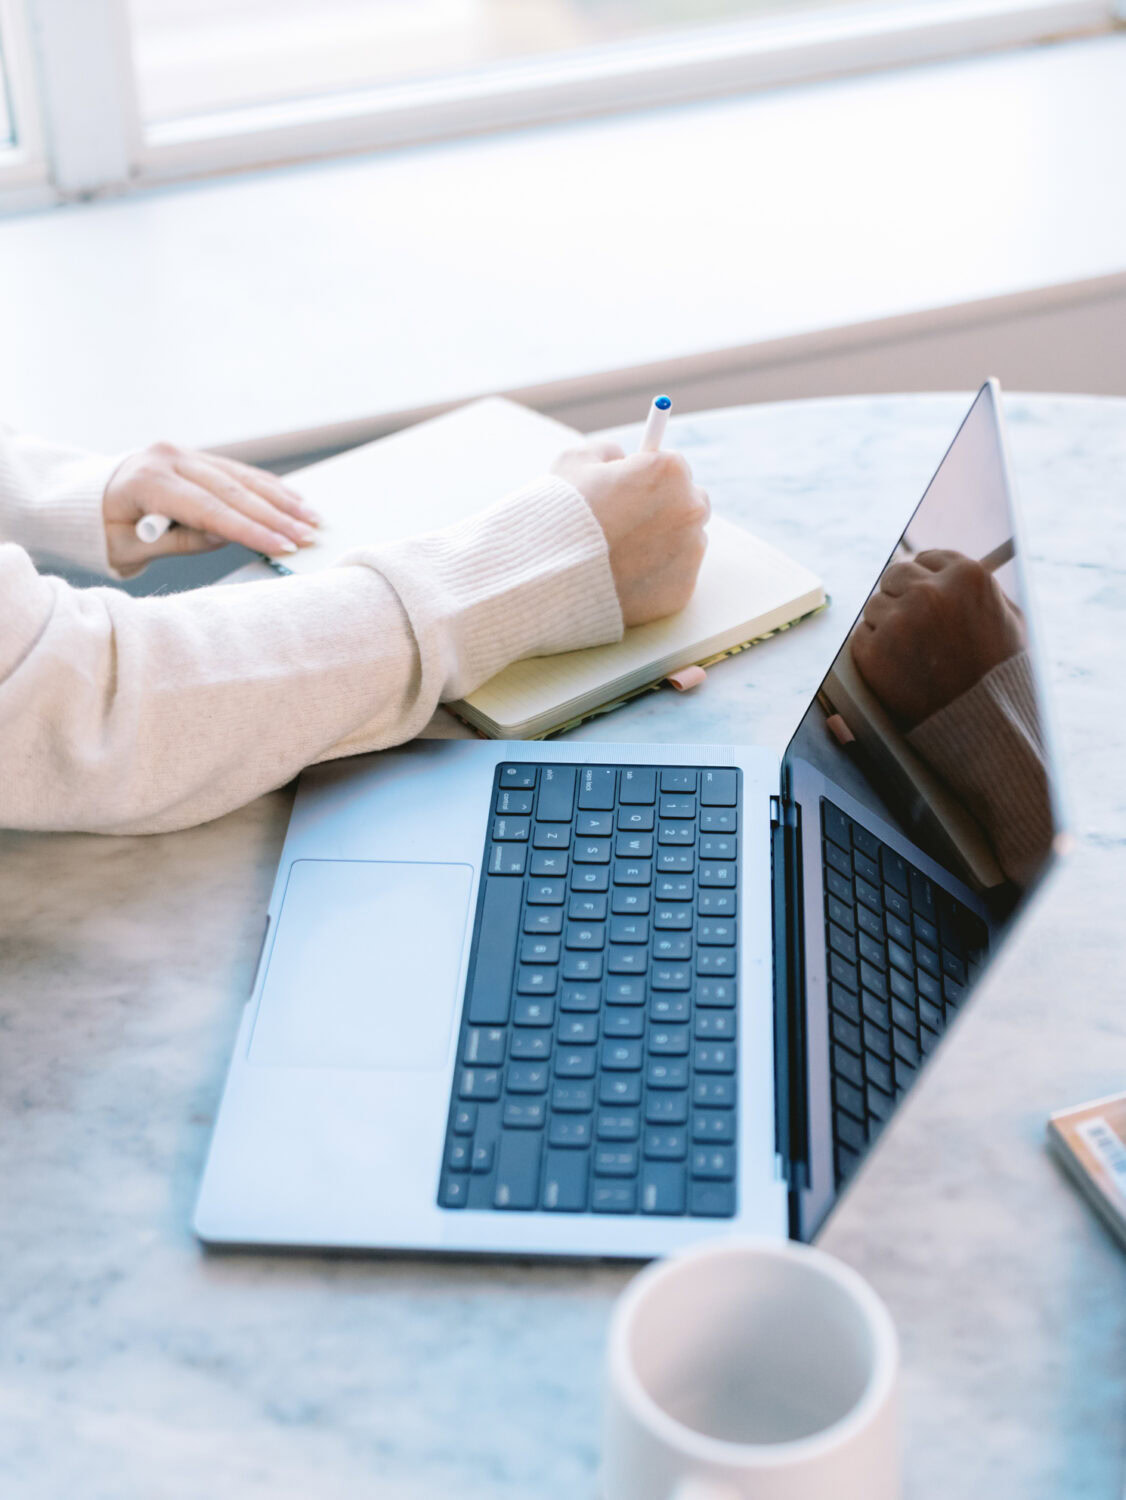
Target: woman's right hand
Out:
[653,518]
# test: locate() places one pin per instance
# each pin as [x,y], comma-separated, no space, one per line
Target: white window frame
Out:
[23,166]
[93,140]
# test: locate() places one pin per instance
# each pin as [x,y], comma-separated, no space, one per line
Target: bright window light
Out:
[7,133]
[198,57]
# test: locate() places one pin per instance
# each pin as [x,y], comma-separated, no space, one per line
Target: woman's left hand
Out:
[213,500]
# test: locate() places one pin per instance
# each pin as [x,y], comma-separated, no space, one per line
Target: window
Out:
[197,57]
[132,91]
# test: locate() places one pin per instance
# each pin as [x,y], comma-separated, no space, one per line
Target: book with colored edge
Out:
[1089,1142]
[445,469]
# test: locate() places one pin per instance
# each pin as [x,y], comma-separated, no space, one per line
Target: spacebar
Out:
[496,951]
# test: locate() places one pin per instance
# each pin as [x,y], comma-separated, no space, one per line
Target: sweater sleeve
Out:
[51,500]
[988,746]
[124,715]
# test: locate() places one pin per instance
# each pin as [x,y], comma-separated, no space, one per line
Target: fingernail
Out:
[213,536]
[287,546]
[314,517]
[303,534]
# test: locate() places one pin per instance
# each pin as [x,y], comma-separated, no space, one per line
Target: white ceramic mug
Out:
[750,1370]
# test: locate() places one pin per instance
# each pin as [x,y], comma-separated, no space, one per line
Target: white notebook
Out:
[445,469]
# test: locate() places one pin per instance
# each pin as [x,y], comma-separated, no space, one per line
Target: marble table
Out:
[134,1366]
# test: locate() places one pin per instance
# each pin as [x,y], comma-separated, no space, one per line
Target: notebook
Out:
[445,469]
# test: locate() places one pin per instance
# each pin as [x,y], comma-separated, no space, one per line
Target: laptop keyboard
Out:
[596,1059]
[900,953]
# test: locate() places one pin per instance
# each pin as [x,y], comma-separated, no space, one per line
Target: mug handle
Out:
[704,1489]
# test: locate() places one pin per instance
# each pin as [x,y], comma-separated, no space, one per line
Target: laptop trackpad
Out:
[365,966]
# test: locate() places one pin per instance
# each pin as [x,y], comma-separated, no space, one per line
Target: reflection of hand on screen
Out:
[933,628]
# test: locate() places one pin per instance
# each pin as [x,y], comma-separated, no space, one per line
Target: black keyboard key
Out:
[842,915]
[873,980]
[714,1057]
[927,959]
[718,820]
[903,1016]
[850,1132]
[867,842]
[905,1048]
[716,992]
[670,918]
[596,788]
[716,934]
[458,1155]
[875,1009]
[880,1104]
[930,1015]
[635,820]
[716,1163]
[539,950]
[894,868]
[667,1073]
[866,868]
[716,903]
[666,1109]
[565,1181]
[507,859]
[544,919]
[839,886]
[578,1030]
[670,977]
[624,1057]
[714,1093]
[616,1161]
[715,1026]
[717,874]
[871,951]
[575,1062]
[838,858]
[633,846]
[465,1119]
[582,966]
[454,1192]
[711,1200]
[680,862]
[552,836]
[480,1084]
[517,776]
[717,788]
[877,1041]
[848,1066]
[633,872]
[629,900]
[868,894]
[611,1197]
[666,1145]
[844,1002]
[897,904]
[663,1188]
[675,834]
[674,888]
[527,1078]
[594,825]
[531,980]
[496,952]
[928,986]
[870,924]
[716,1127]
[897,929]
[619,1088]
[638,786]
[622,1021]
[483,1153]
[667,1009]
[590,878]
[518,1170]
[849,1098]
[514,829]
[627,960]
[586,908]
[842,942]
[672,947]
[592,851]
[677,807]
[515,804]
[847,1033]
[625,991]
[572,1098]
[619,1125]
[549,863]
[629,929]
[557,794]
[484,1045]
[590,936]
[669,1041]
[571,1132]
[836,826]
[533,1012]
[843,972]
[717,846]
[878,1072]
[524,1114]
[544,892]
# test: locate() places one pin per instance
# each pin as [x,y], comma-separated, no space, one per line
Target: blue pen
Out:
[654,434]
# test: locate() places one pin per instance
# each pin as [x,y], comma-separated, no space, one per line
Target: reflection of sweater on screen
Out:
[989,747]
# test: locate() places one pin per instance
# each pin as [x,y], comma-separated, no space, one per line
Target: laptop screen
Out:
[927,798]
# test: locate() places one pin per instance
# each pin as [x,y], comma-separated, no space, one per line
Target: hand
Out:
[653,517]
[935,626]
[214,501]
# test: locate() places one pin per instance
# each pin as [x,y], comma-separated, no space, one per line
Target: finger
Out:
[236,501]
[606,451]
[196,506]
[705,500]
[269,486]
[938,558]
[901,576]
[182,540]
[879,608]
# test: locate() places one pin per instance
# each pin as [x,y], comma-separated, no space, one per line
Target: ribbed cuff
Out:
[529,577]
[65,521]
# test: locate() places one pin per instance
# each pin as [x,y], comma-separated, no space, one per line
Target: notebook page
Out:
[424,477]
[745,588]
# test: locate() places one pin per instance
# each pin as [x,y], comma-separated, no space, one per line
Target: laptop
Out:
[604,1000]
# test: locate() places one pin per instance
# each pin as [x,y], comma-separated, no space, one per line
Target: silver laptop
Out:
[603,1000]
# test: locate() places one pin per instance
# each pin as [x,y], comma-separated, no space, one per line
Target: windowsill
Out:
[306,306]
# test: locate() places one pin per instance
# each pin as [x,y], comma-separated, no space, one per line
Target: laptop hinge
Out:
[791,1091]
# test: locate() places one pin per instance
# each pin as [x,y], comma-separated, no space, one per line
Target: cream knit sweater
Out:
[124,715]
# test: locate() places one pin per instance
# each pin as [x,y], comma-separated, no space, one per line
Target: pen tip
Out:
[662,403]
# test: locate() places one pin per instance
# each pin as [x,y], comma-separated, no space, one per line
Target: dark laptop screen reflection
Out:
[929,714]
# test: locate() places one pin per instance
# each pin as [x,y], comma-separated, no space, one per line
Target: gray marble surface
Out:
[133,1366]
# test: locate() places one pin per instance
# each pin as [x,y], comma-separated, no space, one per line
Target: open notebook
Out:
[442,470]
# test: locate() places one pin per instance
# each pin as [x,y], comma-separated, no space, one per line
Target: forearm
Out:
[51,500]
[988,746]
[141,715]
